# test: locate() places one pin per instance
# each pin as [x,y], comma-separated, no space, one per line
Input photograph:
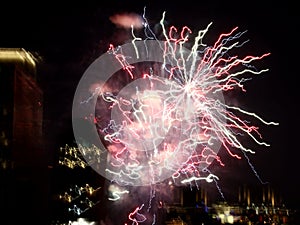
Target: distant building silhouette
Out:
[22,158]
[21,113]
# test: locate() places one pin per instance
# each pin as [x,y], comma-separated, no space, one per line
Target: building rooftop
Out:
[19,56]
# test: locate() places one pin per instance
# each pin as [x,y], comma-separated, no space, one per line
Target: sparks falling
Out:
[170,120]
[158,111]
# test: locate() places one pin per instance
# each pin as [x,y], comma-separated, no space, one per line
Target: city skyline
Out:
[69,39]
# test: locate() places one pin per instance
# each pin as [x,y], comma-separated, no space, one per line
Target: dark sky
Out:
[70,37]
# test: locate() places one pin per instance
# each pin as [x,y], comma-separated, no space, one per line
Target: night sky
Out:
[68,38]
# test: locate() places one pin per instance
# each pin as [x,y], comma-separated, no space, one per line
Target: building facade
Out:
[22,161]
